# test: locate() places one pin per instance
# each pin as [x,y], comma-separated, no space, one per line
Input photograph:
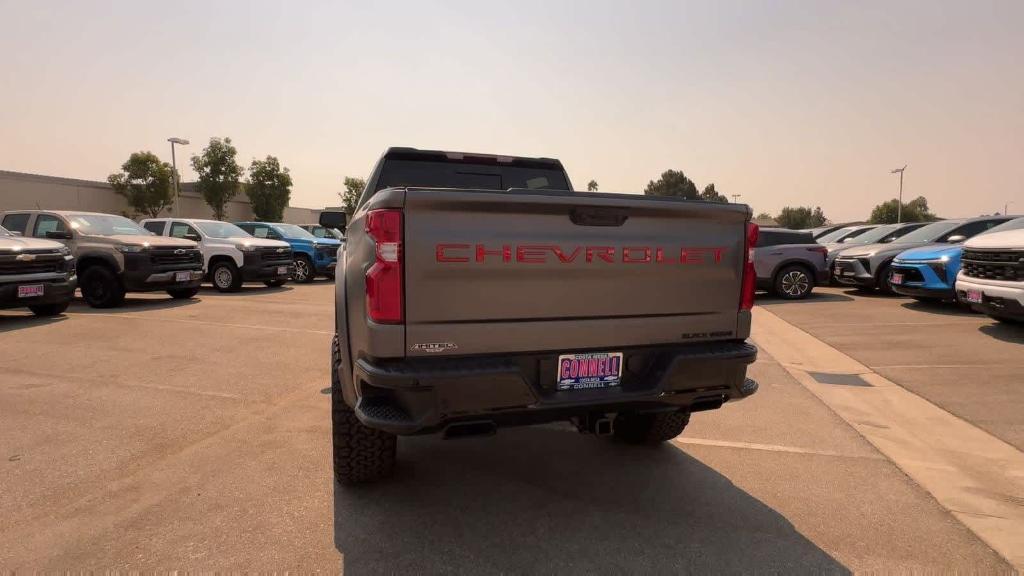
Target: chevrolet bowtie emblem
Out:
[179,251]
[25,257]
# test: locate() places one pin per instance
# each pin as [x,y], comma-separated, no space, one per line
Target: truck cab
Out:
[114,254]
[36,274]
[231,256]
[311,256]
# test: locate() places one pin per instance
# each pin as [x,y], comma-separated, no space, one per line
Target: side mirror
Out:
[59,235]
[956,239]
[338,220]
[192,237]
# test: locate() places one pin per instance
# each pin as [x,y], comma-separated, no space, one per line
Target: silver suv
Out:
[789,263]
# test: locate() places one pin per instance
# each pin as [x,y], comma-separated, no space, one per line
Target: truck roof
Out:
[61,212]
[161,218]
[402,153]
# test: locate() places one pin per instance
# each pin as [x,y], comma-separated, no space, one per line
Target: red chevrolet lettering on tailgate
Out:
[458,253]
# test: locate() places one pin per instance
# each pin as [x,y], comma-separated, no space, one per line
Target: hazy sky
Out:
[808,102]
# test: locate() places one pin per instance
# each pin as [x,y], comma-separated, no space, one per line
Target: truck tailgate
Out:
[522,271]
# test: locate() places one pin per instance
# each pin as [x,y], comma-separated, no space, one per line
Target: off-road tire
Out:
[183,293]
[226,268]
[274,283]
[101,287]
[49,309]
[794,282]
[650,428]
[303,260]
[361,454]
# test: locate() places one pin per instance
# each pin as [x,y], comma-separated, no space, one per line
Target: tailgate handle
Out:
[598,216]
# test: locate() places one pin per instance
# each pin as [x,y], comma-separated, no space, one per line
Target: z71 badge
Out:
[434,347]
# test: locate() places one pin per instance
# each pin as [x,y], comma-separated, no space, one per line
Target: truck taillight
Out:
[384,292]
[749,275]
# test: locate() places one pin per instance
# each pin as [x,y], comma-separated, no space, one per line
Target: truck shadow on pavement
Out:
[943,308]
[766,298]
[1013,334]
[17,321]
[546,500]
[132,305]
[245,290]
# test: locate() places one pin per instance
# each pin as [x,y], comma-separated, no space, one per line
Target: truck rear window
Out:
[427,174]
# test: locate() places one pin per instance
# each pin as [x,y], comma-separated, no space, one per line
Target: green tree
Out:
[914,211]
[592,186]
[764,216]
[350,197]
[711,195]
[672,183]
[145,182]
[219,174]
[269,189]
[818,218]
[801,217]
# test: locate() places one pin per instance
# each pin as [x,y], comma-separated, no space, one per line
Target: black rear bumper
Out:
[423,396]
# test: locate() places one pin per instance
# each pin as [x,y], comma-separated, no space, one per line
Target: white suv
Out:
[230,255]
[991,277]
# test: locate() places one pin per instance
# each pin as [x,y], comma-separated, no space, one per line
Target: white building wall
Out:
[19,191]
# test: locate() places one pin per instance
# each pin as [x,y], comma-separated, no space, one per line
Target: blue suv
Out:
[929,272]
[313,256]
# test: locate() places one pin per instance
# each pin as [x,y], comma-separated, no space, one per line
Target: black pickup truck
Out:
[479,291]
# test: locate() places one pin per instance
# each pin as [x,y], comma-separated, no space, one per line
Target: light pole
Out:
[1006,207]
[899,203]
[734,197]
[174,166]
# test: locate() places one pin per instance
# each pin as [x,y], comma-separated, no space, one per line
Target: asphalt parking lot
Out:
[194,435]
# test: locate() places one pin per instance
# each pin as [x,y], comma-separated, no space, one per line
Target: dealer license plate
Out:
[281,270]
[589,370]
[30,290]
[182,276]
[975,296]
[896,278]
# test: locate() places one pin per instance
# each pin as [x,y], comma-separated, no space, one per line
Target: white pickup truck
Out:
[991,278]
[231,255]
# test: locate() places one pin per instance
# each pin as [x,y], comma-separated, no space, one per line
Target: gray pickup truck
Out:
[477,292]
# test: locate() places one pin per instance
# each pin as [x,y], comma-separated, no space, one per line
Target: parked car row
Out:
[985,273]
[46,254]
[976,262]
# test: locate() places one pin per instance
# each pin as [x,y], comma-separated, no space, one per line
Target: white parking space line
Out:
[976,476]
[768,448]
[162,319]
[926,366]
[875,324]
